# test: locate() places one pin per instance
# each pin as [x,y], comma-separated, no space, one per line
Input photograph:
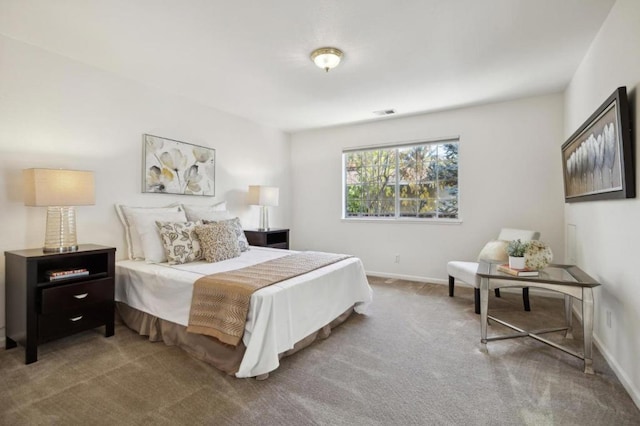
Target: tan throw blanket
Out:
[220,302]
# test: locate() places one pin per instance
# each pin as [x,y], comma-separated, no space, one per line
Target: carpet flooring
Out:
[414,359]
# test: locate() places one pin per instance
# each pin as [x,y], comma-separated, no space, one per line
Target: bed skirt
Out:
[224,357]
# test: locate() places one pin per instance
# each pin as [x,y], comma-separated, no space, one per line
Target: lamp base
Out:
[60,249]
[264,218]
[60,235]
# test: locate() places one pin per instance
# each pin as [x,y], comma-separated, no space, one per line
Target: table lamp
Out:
[263,196]
[59,191]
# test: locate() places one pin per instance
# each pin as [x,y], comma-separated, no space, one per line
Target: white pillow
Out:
[495,250]
[145,225]
[215,212]
[134,245]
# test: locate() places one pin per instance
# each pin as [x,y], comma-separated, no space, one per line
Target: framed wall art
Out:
[174,167]
[597,159]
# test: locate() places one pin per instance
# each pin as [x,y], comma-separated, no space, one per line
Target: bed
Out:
[154,299]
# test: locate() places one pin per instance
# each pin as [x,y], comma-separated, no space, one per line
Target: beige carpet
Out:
[415,359]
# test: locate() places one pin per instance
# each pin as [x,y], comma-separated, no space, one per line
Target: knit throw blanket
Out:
[220,302]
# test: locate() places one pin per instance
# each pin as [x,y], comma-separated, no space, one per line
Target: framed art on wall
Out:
[174,167]
[597,160]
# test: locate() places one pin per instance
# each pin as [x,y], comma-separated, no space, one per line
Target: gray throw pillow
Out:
[235,223]
[218,241]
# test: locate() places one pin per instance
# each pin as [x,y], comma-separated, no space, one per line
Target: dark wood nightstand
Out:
[274,238]
[39,309]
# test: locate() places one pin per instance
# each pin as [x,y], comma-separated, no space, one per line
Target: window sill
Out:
[403,220]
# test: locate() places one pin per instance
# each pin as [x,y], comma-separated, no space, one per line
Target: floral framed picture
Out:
[597,160]
[174,167]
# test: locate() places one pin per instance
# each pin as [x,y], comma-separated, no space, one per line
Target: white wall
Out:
[510,176]
[58,113]
[607,232]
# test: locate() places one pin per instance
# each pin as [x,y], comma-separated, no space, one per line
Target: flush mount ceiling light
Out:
[384,112]
[326,57]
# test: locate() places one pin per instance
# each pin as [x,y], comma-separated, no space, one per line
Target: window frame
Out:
[397,218]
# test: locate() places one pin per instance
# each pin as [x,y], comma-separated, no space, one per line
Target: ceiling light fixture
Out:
[384,112]
[326,57]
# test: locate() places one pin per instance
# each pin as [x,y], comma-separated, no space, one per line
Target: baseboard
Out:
[407,277]
[633,392]
[3,340]
[532,291]
[628,385]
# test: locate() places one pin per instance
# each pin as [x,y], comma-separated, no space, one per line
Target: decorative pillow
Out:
[125,213]
[538,255]
[495,250]
[180,241]
[218,241]
[215,212]
[235,223]
[145,223]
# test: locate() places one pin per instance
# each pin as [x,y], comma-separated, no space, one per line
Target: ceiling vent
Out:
[383,112]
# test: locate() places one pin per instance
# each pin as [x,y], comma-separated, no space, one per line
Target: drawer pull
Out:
[74,319]
[80,296]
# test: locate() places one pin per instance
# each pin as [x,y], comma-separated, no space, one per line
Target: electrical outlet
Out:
[397,258]
[609,319]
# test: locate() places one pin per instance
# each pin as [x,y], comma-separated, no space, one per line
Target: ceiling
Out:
[251,57]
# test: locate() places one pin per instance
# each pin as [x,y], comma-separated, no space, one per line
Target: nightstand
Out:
[39,309]
[274,238]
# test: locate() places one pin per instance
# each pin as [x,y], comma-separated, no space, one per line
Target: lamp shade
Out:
[56,187]
[263,195]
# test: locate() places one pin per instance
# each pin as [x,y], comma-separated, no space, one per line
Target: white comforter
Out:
[279,315]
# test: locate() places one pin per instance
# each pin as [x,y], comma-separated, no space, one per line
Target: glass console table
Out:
[566,279]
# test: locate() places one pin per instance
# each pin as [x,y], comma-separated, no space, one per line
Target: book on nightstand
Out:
[61,274]
[517,272]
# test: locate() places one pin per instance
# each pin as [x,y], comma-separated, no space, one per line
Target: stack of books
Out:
[62,274]
[517,272]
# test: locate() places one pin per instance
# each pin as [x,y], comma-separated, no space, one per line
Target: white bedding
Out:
[279,315]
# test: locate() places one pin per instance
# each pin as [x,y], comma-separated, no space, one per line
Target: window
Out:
[418,181]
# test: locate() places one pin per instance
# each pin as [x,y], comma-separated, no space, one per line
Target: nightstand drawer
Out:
[76,296]
[66,323]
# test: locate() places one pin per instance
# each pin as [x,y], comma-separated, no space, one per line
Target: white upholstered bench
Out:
[465,271]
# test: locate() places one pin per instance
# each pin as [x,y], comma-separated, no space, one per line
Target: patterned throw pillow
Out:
[235,223]
[218,241]
[180,241]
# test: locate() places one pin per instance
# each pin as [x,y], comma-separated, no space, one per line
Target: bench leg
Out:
[451,281]
[9,343]
[476,299]
[525,299]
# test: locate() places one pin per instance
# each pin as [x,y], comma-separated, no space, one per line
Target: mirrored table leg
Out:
[568,316]
[484,306]
[587,324]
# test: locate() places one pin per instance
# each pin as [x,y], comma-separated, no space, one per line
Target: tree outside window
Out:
[405,181]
